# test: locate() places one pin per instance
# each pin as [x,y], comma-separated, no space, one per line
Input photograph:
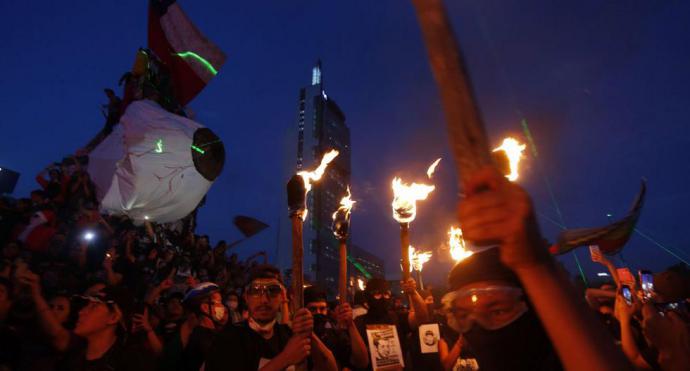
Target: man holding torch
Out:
[499,213]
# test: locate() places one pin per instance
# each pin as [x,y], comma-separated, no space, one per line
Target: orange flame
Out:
[513,150]
[405,197]
[418,258]
[314,176]
[346,204]
[360,284]
[457,245]
[432,168]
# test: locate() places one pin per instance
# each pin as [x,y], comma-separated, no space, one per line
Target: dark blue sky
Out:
[604,86]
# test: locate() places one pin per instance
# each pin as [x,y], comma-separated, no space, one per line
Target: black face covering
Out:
[320,321]
[379,307]
[522,345]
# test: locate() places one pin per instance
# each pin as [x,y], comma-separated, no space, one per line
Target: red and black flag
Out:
[610,238]
[190,57]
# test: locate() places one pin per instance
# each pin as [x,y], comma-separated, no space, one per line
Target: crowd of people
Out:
[85,291]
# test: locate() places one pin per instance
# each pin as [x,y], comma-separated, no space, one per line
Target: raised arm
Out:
[418,313]
[497,211]
[58,335]
[449,357]
[359,357]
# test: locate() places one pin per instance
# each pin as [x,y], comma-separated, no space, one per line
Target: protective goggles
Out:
[492,307]
[272,290]
[378,294]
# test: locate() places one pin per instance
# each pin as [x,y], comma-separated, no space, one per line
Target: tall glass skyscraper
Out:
[321,126]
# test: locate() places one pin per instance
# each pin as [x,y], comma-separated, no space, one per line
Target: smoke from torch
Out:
[513,151]
[457,245]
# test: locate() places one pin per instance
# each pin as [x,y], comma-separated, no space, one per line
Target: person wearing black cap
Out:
[99,338]
[512,304]
[261,343]
[341,337]
[378,298]
[98,341]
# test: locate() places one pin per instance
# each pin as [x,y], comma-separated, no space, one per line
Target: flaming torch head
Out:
[418,258]
[405,197]
[457,245]
[513,152]
[300,184]
[297,195]
[341,218]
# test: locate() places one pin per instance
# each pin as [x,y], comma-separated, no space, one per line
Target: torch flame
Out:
[405,197]
[346,204]
[457,245]
[432,168]
[513,150]
[418,258]
[360,284]
[313,176]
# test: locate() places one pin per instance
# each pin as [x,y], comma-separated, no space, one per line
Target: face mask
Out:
[320,322]
[379,307]
[218,313]
[506,348]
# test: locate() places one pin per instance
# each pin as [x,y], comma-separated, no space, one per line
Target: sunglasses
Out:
[272,291]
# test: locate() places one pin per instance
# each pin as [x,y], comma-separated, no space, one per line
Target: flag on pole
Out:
[190,57]
[610,238]
[249,226]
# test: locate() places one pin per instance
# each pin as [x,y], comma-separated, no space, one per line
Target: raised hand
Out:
[409,286]
[343,313]
[302,323]
[498,211]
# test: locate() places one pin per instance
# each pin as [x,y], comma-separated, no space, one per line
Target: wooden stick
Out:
[342,283]
[297,258]
[466,131]
[405,250]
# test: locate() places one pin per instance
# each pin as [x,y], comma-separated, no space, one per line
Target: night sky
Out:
[603,85]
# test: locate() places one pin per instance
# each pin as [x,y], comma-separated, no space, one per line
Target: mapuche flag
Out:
[610,238]
[191,58]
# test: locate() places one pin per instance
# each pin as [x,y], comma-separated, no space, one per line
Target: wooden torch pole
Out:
[297,262]
[405,250]
[342,283]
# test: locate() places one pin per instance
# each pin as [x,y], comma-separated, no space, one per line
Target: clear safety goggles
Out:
[492,307]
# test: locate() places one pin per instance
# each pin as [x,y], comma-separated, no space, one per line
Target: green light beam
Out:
[199,58]
[359,267]
[554,202]
[159,146]
[198,149]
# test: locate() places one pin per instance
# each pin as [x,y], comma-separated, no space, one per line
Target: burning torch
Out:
[341,230]
[297,189]
[417,260]
[405,197]
[507,157]
[458,251]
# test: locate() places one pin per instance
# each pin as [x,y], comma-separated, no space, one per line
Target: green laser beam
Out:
[159,146]
[199,58]
[198,149]
[359,267]
[552,195]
